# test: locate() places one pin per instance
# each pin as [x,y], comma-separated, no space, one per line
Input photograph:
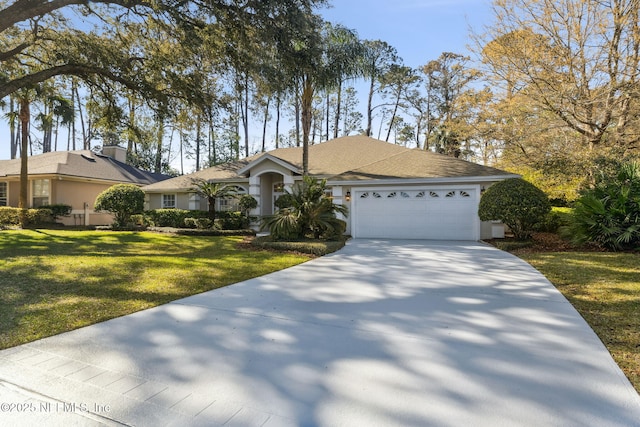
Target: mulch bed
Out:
[541,242]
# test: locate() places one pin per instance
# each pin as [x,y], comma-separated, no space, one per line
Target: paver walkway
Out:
[382,333]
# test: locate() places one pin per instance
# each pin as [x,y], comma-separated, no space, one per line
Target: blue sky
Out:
[420,30]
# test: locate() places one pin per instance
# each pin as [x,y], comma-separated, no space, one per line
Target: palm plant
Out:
[212,191]
[609,214]
[306,210]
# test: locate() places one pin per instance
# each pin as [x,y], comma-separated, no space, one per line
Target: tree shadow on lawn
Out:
[63,287]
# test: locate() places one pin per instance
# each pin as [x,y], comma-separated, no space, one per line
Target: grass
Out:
[605,289]
[52,281]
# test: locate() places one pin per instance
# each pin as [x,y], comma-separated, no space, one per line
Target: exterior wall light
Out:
[348,196]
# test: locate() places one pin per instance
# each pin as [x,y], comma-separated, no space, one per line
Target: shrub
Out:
[58,210]
[314,247]
[121,200]
[34,217]
[555,220]
[9,216]
[231,221]
[609,213]
[306,211]
[246,203]
[199,223]
[172,217]
[517,203]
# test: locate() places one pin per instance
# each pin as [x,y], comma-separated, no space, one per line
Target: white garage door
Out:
[426,213]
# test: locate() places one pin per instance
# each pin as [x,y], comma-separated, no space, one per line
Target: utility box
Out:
[497,230]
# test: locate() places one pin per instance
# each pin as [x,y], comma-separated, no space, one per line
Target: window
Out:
[3,194]
[168,201]
[40,193]
[231,204]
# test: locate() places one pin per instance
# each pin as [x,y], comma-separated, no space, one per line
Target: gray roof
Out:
[351,158]
[81,164]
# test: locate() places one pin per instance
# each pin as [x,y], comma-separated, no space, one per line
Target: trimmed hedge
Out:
[312,247]
[180,218]
[171,217]
[199,232]
[11,216]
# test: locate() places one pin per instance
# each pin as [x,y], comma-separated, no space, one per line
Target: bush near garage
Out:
[517,203]
[609,214]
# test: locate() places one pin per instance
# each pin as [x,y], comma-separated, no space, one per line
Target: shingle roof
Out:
[413,164]
[81,164]
[351,158]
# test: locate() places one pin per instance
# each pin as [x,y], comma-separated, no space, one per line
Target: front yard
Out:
[605,288]
[52,281]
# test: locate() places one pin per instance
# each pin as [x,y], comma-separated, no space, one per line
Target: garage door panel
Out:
[426,213]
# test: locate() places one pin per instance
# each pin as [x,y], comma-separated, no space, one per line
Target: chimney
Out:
[115,152]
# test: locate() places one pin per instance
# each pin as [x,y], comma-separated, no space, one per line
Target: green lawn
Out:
[53,281]
[605,289]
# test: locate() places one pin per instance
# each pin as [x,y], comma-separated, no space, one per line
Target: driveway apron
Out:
[381,333]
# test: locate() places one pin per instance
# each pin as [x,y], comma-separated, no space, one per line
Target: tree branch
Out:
[22,10]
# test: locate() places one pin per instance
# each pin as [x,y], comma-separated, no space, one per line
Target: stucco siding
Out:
[75,193]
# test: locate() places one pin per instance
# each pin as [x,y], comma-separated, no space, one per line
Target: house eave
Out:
[418,181]
[239,180]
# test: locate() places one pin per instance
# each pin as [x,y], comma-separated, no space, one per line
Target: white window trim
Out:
[32,192]
[6,184]
[175,200]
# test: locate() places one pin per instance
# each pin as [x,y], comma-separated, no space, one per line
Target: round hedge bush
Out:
[517,203]
[121,200]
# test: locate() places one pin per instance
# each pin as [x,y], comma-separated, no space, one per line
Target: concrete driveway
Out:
[382,333]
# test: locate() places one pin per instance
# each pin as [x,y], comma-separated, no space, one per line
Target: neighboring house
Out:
[391,191]
[72,178]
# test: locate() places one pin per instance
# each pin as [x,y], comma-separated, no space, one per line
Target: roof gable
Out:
[265,158]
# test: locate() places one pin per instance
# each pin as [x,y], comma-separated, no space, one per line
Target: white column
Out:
[254,191]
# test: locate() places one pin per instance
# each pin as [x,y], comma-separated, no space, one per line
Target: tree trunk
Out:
[198,144]
[12,129]
[245,116]
[393,115]
[306,101]
[278,121]
[337,118]
[25,117]
[264,124]
[327,115]
[160,136]
[369,111]
[84,132]
[297,107]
